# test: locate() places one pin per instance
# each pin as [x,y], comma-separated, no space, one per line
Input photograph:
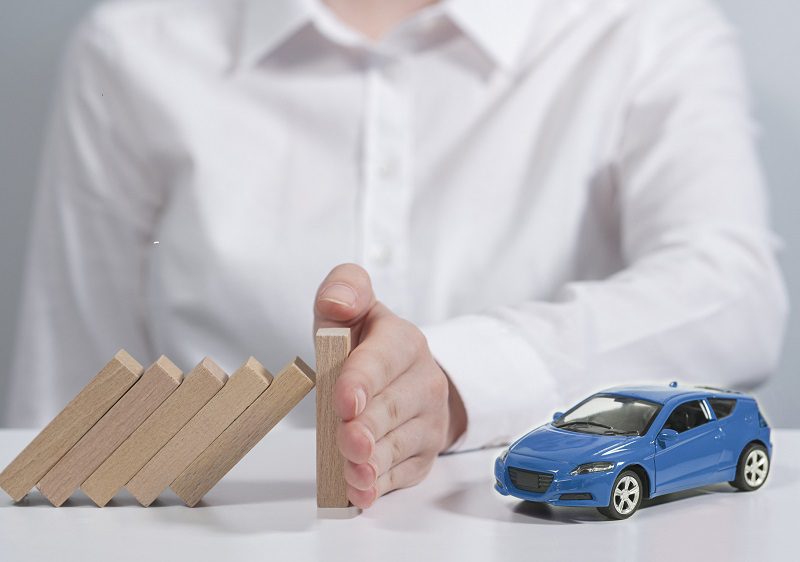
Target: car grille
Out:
[530,481]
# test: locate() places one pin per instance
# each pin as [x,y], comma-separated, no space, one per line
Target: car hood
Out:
[548,442]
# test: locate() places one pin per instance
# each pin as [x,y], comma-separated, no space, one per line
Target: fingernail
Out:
[361,401]
[339,293]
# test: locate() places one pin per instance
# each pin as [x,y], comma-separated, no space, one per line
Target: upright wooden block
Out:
[199,386]
[288,388]
[66,429]
[332,347]
[155,385]
[246,384]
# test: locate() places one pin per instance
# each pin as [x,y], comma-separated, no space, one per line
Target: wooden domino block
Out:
[70,425]
[332,347]
[154,386]
[288,388]
[246,384]
[199,386]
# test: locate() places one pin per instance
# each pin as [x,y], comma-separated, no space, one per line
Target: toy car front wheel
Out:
[626,496]
[753,468]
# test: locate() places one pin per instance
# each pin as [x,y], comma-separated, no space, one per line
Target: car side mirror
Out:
[558,415]
[667,436]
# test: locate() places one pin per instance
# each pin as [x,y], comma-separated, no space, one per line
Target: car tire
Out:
[626,496]
[752,469]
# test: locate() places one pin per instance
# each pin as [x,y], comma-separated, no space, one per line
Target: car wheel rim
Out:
[626,495]
[756,466]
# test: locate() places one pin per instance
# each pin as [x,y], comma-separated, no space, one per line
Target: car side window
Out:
[723,407]
[687,416]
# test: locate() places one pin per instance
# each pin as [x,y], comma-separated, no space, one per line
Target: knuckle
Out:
[397,447]
[424,466]
[391,481]
[371,362]
[412,473]
[354,373]
[438,388]
[393,411]
[415,338]
[368,421]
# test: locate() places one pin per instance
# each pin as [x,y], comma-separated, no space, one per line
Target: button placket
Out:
[387,189]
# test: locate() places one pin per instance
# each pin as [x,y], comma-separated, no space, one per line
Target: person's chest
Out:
[458,187]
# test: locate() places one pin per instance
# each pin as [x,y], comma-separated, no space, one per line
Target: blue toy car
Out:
[622,445]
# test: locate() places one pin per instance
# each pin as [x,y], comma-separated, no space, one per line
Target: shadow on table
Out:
[232,507]
[478,499]
[234,492]
[35,499]
[242,492]
[249,507]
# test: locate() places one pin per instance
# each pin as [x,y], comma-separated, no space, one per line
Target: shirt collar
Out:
[499,28]
[264,24]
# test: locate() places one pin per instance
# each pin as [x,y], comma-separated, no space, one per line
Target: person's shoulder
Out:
[660,30]
[652,25]
[154,26]
[120,16]
[667,15]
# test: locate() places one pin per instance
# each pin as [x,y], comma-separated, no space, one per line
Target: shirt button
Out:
[380,254]
[388,169]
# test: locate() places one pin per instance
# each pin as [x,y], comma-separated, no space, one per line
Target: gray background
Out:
[32,34]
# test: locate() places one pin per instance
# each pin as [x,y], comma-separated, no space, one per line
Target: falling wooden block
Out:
[246,384]
[154,386]
[67,428]
[332,347]
[199,386]
[288,388]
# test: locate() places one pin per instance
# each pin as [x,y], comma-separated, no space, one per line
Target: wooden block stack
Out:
[147,430]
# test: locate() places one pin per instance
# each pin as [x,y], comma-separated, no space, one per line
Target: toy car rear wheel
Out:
[753,468]
[626,496]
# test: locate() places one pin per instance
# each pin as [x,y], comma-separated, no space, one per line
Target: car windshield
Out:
[609,415]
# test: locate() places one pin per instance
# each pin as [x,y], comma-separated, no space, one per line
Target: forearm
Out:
[708,310]
[456,413]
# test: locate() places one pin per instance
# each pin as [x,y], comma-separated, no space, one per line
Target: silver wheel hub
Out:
[756,466]
[626,495]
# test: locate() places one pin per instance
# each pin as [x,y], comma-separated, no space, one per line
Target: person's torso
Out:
[457,183]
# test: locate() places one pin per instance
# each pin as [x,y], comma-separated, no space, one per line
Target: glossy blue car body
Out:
[696,457]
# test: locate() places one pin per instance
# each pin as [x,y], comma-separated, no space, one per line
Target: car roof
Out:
[673,391]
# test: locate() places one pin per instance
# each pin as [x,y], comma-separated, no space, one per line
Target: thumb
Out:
[344,298]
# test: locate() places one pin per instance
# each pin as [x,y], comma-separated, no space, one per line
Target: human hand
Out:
[397,406]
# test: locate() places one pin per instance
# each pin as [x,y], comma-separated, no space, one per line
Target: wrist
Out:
[457,415]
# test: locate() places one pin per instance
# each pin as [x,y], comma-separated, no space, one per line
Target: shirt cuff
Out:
[505,386]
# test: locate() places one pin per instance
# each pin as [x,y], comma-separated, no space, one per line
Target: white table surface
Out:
[265,509]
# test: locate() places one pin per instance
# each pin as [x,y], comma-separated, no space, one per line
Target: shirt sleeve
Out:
[701,299]
[83,289]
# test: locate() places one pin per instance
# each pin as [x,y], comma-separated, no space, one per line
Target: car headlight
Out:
[503,455]
[592,467]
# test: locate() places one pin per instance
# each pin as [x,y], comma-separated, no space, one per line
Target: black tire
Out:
[621,506]
[752,469]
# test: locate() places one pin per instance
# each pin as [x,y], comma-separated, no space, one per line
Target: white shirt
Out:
[564,194]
